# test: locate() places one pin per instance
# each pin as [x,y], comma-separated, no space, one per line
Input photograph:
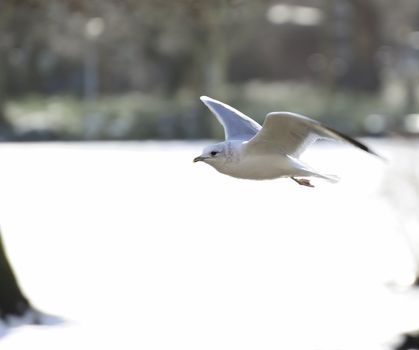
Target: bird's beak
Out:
[199,159]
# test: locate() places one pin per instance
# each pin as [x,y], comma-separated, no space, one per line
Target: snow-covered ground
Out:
[136,247]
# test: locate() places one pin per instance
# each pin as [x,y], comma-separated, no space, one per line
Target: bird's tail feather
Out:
[327,177]
[331,178]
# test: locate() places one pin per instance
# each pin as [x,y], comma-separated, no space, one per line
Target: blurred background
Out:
[134,69]
[133,246]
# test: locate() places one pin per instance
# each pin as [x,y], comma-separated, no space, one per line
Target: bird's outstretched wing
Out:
[291,134]
[237,126]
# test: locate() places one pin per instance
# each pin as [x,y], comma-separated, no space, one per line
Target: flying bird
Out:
[252,151]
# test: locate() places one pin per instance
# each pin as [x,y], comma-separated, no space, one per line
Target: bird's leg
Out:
[302,182]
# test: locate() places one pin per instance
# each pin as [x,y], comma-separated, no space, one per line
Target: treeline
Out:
[172,48]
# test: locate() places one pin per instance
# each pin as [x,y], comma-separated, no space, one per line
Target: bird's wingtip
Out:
[207,99]
[204,98]
[210,102]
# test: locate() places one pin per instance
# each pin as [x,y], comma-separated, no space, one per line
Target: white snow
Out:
[136,247]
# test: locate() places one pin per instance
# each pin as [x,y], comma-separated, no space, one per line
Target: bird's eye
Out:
[214,153]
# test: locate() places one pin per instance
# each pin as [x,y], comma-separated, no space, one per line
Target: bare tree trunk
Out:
[365,43]
[5,127]
[5,13]
[12,300]
[351,38]
[328,45]
[216,68]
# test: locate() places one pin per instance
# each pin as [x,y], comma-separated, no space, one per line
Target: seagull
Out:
[252,151]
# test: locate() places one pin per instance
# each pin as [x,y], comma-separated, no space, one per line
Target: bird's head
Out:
[213,154]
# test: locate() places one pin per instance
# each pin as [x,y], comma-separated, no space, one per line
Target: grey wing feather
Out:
[237,126]
[292,133]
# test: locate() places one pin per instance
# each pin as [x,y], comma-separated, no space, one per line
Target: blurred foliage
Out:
[138,116]
[133,116]
[132,69]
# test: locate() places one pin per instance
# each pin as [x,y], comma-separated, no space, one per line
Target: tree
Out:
[12,300]
[4,125]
